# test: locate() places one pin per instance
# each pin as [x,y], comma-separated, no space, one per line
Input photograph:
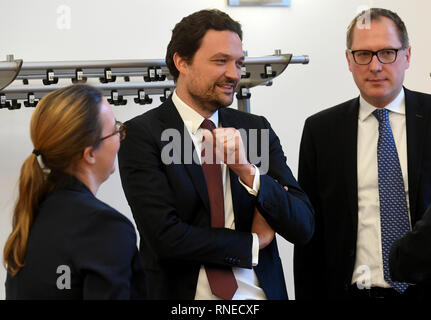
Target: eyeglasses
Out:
[119,128]
[385,56]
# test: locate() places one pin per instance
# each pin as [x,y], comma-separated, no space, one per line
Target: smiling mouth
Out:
[230,87]
[226,85]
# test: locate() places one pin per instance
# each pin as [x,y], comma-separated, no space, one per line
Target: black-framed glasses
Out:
[385,56]
[119,128]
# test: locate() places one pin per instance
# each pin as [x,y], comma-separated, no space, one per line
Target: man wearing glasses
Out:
[366,166]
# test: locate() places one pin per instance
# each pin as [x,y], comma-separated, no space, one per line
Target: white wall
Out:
[137,29]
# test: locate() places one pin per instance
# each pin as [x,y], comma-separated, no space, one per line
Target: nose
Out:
[375,65]
[233,72]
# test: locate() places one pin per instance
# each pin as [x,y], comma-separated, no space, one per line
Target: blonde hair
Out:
[64,123]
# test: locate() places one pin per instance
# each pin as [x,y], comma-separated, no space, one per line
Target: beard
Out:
[211,97]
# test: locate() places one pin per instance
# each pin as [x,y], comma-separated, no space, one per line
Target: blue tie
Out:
[394,217]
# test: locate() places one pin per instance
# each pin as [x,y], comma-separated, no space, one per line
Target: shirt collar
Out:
[192,119]
[397,105]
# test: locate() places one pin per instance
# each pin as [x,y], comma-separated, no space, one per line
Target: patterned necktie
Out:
[394,217]
[221,280]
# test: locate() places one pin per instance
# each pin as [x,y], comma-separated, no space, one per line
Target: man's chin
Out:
[218,105]
[379,97]
[225,102]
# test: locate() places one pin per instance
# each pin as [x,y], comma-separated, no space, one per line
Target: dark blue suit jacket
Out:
[171,207]
[328,173]
[98,244]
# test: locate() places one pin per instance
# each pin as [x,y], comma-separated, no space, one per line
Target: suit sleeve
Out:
[107,256]
[289,213]
[410,256]
[152,200]
[309,258]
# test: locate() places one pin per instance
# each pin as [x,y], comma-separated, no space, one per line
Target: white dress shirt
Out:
[248,284]
[369,263]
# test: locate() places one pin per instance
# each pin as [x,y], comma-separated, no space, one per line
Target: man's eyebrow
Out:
[225,55]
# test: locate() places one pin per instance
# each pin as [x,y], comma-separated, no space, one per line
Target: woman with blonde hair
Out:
[65,243]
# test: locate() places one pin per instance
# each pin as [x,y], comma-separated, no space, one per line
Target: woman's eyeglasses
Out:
[119,128]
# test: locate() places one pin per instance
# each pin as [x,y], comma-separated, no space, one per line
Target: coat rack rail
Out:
[30,81]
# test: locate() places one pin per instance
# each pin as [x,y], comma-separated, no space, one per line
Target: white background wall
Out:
[141,29]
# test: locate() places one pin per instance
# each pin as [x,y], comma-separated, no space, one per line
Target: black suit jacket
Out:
[328,174]
[98,244]
[171,207]
[410,257]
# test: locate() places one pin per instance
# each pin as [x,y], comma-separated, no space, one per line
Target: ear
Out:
[89,156]
[180,63]
[349,62]
[408,56]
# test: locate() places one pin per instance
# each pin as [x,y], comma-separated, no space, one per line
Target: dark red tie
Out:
[222,281]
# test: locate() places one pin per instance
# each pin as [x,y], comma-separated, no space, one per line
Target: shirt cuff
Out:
[256,183]
[255,250]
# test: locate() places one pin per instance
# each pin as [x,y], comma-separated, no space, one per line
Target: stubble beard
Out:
[210,100]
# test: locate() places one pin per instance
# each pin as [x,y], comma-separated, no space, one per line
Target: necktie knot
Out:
[208,124]
[382,115]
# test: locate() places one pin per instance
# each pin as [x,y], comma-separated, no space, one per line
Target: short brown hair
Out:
[375,14]
[188,33]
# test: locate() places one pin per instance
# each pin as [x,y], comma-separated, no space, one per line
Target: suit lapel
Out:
[415,131]
[172,120]
[348,151]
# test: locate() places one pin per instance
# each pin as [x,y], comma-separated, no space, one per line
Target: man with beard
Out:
[207,220]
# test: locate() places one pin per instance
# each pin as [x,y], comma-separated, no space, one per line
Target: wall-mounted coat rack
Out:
[117,79]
